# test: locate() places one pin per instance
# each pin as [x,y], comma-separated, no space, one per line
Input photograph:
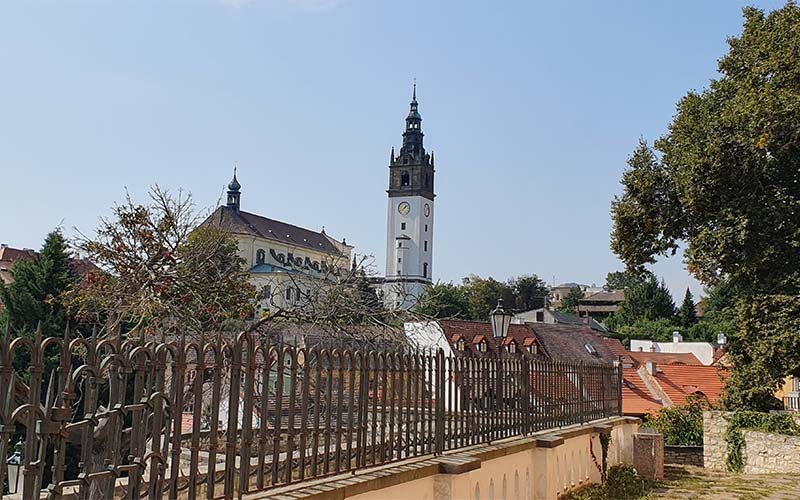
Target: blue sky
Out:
[531,107]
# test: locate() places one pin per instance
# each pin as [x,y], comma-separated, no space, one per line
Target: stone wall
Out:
[683,455]
[767,453]
[715,448]
[764,453]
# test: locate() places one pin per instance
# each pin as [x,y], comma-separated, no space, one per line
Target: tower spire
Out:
[234,195]
[414,95]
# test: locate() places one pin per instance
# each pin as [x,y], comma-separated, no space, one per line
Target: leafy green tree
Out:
[686,313]
[659,330]
[482,295]
[569,304]
[726,179]
[725,182]
[763,351]
[444,300]
[530,292]
[649,300]
[35,296]
[719,314]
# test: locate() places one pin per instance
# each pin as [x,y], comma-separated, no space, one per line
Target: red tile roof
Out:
[9,256]
[680,381]
[12,254]
[616,347]
[636,398]
[666,358]
[472,332]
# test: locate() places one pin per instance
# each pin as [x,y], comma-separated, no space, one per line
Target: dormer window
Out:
[590,349]
[533,349]
[512,347]
[461,345]
[482,346]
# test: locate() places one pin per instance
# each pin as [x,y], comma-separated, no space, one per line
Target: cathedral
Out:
[286,260]
[409,228]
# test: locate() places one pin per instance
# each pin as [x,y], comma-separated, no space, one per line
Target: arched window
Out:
[404,179]
[261,256]
[427,180]
[425,270]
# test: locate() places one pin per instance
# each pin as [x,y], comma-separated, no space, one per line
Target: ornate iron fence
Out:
[125,418]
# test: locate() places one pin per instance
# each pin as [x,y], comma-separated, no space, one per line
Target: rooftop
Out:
[270,229]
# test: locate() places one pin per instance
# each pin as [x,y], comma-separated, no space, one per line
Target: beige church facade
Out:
[287,263]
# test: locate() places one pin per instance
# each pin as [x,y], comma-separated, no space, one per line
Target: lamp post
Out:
[14,466]
[500,320]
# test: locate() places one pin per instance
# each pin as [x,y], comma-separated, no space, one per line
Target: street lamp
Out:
[500,320]
[14,467]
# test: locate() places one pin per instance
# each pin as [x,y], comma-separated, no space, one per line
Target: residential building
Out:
[558,292]
[409,230]
[8,257]
[706,352]
[286,262]
[601,304]
[789,393]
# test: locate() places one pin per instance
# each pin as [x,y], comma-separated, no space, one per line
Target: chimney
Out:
[677,337]
[721,339]
[3,245]
[652,346]
[586,320]
[651,367]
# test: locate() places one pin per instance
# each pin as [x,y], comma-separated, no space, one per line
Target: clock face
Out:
[404,208]
[427,210]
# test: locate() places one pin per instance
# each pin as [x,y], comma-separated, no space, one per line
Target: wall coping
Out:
[451,462]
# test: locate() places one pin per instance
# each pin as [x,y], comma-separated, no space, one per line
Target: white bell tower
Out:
[409,231]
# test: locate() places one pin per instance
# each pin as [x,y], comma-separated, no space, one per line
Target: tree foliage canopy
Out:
[476,297]
[444,300]
[36,293]
[686,312]
[649,300]
[569,304]
[160,270]
[725,179]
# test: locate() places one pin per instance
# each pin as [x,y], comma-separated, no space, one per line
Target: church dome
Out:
[234,185]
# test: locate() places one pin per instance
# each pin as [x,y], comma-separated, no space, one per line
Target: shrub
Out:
[624,483]
[681,425]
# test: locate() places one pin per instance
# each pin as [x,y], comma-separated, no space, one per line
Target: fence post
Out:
[619,389]
[526,397]
[440,397]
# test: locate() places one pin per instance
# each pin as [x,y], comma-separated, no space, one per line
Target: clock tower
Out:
[409,232]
